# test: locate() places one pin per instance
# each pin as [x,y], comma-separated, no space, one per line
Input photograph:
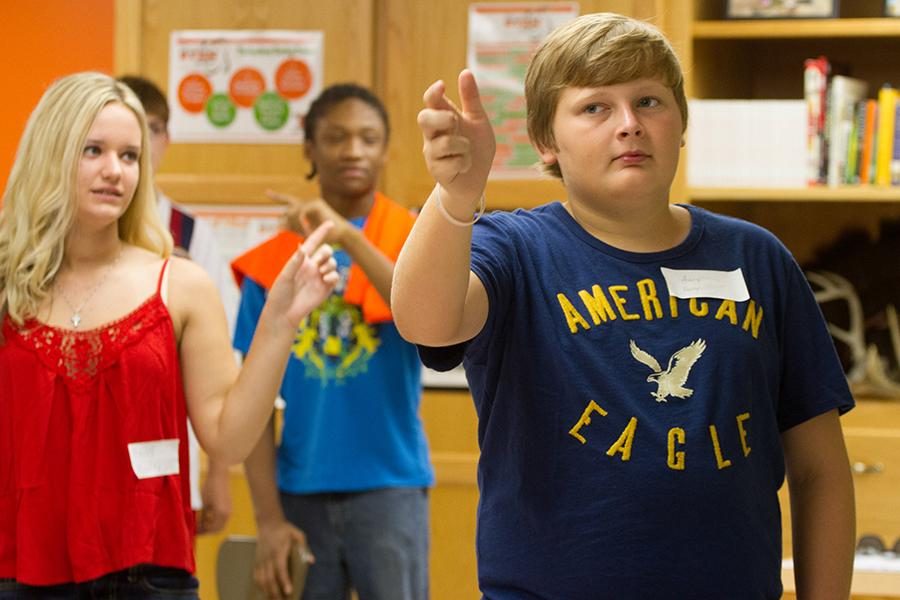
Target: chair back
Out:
[234,569]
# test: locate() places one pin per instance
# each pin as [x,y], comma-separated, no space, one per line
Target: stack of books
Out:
[852,138]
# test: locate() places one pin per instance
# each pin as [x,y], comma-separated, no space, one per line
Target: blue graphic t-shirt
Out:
[352,393]
[630,408]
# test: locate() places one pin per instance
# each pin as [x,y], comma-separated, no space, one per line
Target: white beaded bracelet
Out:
[453,219]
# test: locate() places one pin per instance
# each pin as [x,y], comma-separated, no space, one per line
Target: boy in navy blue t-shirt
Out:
[645,373]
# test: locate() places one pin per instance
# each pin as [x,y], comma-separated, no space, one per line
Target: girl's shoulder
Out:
[177,270]
[186,273]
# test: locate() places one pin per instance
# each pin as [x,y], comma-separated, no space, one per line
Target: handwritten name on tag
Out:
[702,283]
[154,459]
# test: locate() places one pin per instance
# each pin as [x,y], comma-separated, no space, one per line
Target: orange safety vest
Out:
[387,227]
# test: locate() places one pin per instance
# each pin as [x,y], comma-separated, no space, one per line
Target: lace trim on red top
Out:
[81,355]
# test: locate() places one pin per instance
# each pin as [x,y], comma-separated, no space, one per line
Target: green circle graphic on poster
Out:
[220,110]
[271,111]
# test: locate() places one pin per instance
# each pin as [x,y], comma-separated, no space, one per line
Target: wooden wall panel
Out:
[452,429]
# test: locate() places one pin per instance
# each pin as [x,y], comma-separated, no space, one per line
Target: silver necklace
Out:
[75,319]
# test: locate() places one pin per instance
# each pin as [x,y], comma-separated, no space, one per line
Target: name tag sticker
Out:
[701,283]
[154,459]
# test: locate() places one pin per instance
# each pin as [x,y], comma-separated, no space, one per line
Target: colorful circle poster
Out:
[245,87]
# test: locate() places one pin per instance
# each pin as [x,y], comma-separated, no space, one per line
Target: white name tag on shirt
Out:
[154,459]
[701,283]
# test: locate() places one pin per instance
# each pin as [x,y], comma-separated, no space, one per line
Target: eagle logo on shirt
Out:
[671,381]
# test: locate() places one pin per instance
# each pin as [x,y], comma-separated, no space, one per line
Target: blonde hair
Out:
[39,205]
[594,50]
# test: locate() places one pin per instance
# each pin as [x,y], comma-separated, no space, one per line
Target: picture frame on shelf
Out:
[783,9]
[892,8]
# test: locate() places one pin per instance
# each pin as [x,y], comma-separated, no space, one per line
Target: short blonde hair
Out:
[39,201]
[594,50]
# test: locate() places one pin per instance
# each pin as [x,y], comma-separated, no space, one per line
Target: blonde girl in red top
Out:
[108,342]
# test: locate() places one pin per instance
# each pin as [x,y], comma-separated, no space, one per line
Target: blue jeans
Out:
[375,542]
[143,582]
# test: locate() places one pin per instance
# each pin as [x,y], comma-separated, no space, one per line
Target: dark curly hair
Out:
[333,95]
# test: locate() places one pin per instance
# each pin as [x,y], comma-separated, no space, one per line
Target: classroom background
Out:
[398,47]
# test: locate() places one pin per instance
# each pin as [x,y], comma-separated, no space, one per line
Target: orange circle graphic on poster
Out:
[193,92]
[245,86]
[293,79]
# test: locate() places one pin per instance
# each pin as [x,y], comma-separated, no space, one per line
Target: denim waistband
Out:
[135,571]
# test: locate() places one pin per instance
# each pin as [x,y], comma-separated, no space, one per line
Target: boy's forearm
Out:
[431,279]
[824,533]
[377,267]
[259,469]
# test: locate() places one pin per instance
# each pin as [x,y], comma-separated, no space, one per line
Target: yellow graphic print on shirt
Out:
[585,309]
[669,382]
[334,342]
[640,301]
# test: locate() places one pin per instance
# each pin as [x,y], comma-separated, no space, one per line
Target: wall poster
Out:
[250,87]
[502,38]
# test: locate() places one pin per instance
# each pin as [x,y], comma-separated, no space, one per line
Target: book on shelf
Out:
[844,94]
[887,123]
[815,88]
[867,150]
[855,144]
[851,138]
[895,162]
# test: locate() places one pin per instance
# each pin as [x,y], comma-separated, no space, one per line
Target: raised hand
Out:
[302,216]
[306,279]
[459,142]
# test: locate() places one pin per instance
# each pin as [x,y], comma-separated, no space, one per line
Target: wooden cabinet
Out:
[872,433]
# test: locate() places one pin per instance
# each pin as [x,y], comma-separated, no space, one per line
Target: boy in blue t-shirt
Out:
[645,373]
[352,472]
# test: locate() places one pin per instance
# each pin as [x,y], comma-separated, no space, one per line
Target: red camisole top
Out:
[72,507]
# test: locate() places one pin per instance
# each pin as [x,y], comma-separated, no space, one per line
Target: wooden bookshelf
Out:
[763,59]
[796,29]
[760,59]
[849,194]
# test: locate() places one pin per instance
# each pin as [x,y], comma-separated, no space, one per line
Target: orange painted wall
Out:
[39,42]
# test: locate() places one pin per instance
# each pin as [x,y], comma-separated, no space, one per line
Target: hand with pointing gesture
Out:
[459,142]
[302,216]
[306,279]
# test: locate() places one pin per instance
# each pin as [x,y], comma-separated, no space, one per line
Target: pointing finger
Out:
[317,237]
[469,95]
